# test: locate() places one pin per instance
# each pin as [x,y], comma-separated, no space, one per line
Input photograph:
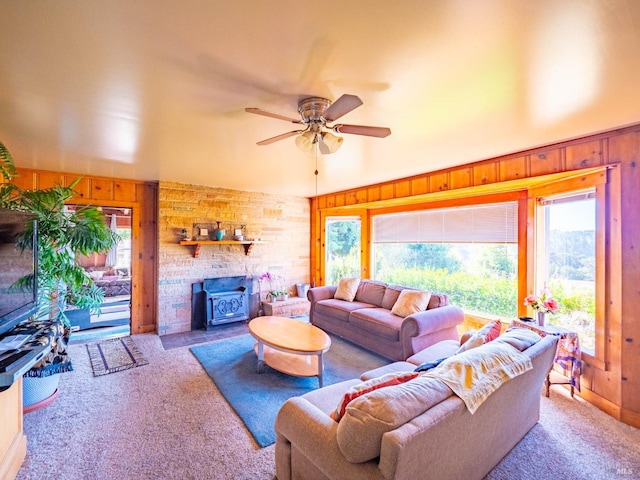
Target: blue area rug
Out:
[256,398]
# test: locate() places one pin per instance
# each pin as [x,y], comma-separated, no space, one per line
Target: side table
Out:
[568,356]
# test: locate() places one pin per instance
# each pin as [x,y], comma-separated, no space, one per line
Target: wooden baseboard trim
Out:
[630,418]
[599,402]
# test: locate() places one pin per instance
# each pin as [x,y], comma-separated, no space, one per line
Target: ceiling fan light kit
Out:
[315,113]
[331,141]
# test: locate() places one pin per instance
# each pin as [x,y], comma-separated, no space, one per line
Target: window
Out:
[566,260]
[124,248]
[343,248]
[469,253]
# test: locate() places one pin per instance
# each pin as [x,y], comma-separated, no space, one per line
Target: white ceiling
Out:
[156,89]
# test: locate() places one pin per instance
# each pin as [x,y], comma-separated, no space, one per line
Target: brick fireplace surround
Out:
[282,222]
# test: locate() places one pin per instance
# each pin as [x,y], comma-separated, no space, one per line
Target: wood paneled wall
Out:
[141,197]
[556,159]
[611,382]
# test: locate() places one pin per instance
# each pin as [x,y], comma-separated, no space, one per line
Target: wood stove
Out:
[216,301]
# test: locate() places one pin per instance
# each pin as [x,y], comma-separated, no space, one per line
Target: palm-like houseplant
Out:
[61,236]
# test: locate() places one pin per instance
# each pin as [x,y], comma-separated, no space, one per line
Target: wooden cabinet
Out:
[13,443]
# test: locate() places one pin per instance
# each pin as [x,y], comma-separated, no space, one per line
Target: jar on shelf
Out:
[220,232]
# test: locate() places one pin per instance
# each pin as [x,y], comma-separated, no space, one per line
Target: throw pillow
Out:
[347,288]
[466,336]
[354,392]
[489,332]
[410,302]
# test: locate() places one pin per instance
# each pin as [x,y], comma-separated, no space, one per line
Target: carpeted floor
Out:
[169,421]
[256,398]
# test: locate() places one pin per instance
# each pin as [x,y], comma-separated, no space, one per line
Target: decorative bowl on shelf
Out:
[239,238]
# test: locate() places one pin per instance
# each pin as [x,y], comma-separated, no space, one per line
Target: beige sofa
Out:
[445,441]
[367,320]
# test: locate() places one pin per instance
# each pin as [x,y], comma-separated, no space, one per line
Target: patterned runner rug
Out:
[114,355]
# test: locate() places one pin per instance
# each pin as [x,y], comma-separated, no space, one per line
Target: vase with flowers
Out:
[543,305]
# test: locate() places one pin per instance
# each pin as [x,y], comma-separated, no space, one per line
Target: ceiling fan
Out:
[315,113]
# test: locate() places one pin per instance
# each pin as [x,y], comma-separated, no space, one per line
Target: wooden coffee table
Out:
[290,346]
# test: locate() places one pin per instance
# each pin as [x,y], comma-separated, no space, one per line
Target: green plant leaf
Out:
[7,167]
[61,235]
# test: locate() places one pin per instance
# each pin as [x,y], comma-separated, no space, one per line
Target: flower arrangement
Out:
[543,303]
[273,291]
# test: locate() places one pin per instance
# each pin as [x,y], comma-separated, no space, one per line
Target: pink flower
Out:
[544,303]
[265,276]
[551,304]
[531,300]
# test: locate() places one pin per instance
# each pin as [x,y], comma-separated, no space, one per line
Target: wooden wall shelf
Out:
[247,244]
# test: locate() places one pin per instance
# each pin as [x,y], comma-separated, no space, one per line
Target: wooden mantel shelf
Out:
[247,244]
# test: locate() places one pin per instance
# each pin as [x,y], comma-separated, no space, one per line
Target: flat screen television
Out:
[17,304]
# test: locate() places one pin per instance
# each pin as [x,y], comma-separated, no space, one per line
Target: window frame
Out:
[597,181]
[364,238]
[607,232]
[325,238]
[441,224]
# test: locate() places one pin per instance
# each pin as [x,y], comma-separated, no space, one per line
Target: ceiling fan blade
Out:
[380,132]
[280,137]
[259,111]
[341,107]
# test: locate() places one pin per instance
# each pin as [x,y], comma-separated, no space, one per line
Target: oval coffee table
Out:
[290,346]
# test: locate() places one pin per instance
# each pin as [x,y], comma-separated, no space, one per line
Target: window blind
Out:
[570,197]
[491,223]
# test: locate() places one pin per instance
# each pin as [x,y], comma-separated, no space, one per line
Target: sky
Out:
[573,216]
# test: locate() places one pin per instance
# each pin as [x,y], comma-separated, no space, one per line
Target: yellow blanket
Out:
[477,373]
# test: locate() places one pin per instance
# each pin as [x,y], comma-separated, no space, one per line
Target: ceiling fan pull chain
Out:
[316,172]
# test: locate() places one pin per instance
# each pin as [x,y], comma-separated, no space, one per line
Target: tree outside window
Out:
[342,248]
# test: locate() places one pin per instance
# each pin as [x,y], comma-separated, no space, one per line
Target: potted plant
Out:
[283,295]
[61,236]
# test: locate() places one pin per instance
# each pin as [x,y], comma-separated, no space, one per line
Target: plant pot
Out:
[302,289]
[36,391]
[282,297]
